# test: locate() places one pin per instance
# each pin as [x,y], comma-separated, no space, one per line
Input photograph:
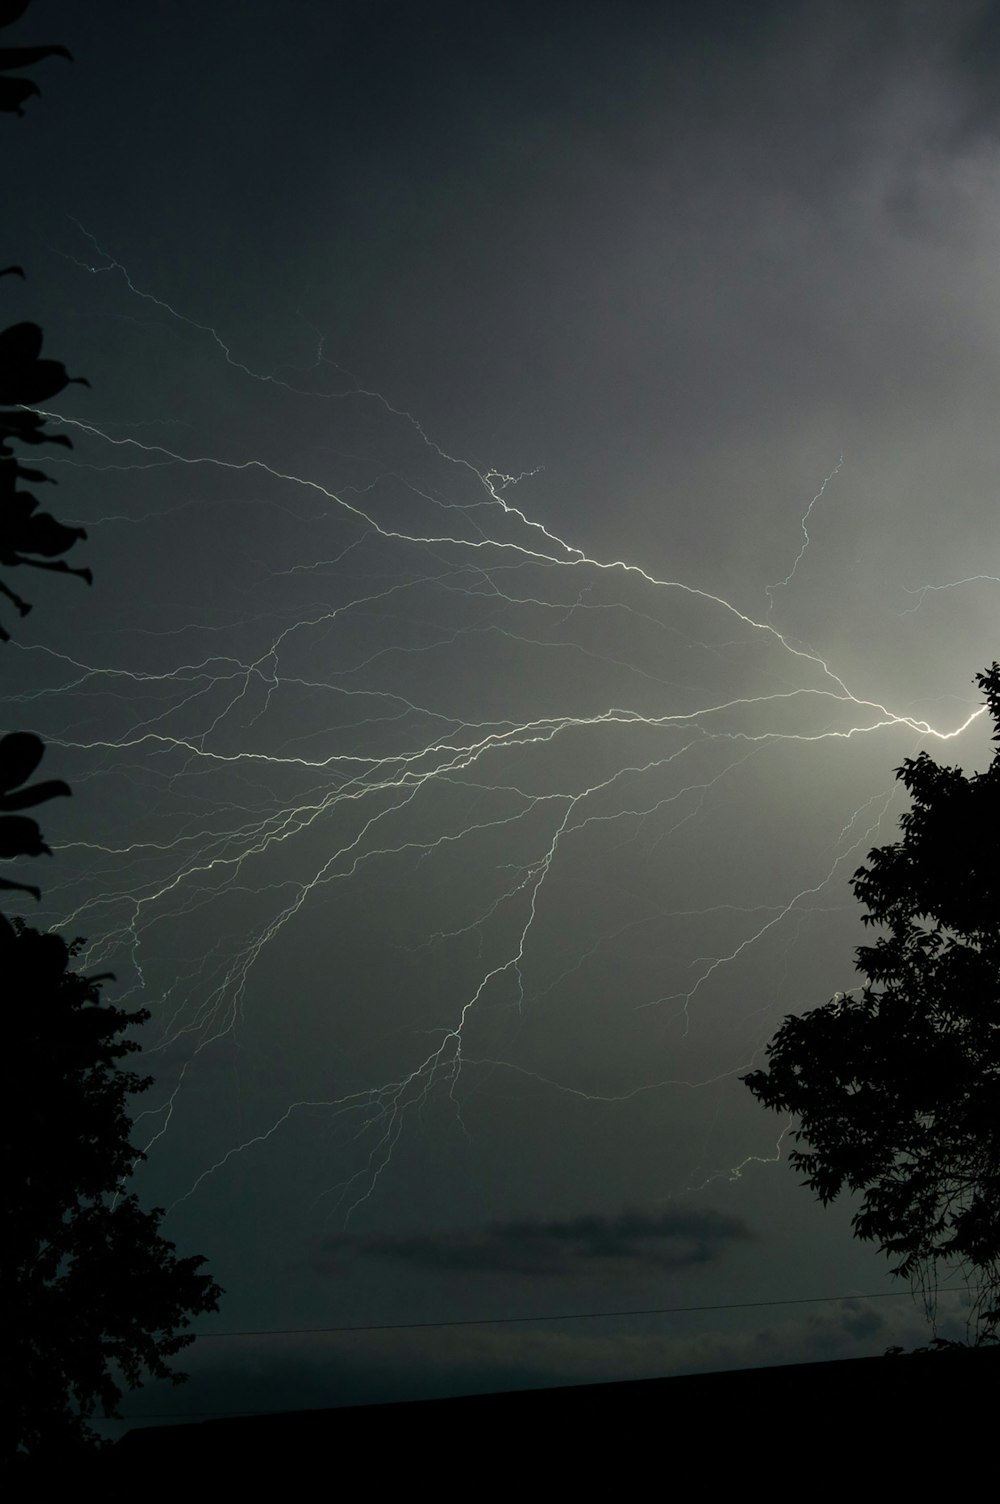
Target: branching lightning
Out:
[924,590]
[452,710]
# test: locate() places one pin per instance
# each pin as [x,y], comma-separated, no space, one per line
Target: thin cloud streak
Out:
[558,1246]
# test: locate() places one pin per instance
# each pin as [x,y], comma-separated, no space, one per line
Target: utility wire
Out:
[411,1326]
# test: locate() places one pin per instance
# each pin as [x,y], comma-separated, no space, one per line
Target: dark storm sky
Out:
[540,469]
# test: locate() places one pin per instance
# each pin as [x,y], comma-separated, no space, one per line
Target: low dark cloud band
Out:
[665,1240]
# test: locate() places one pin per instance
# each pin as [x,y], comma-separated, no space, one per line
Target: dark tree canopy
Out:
[96,1298]
[93,1297]
[897,1086]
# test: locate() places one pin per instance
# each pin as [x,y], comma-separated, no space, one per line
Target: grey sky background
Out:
[540,468]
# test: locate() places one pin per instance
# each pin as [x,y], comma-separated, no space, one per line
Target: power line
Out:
[409,1326]
[412,1326]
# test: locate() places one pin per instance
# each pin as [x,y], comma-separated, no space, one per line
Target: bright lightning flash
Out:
[535,792]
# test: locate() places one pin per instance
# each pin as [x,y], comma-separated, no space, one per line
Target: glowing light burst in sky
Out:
[394,801]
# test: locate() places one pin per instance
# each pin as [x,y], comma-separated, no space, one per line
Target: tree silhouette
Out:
[20,754]
[14,91]
[96,1297]
[27,536]
[897,1087]
[26,379]
[26,533]
[93,1296]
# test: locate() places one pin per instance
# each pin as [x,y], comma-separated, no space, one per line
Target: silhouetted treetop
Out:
[897,1087]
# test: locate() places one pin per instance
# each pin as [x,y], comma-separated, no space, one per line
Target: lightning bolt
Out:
[922,591]
[780,584]
[354,726]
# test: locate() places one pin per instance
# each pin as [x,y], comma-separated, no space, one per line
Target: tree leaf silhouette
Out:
[24,376]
